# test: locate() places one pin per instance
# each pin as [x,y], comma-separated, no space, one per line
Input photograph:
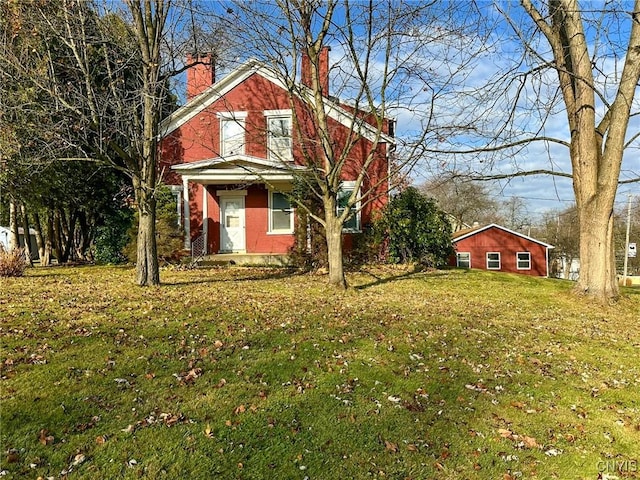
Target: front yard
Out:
[259,373]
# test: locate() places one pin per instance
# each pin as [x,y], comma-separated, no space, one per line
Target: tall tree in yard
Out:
[597,142]
[106,86]
[379,57]
[563,58]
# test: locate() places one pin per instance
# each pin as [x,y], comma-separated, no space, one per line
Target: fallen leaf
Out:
[207,431]
[530,442]
[504,433]
[239,409]
[390,446]
[45,438]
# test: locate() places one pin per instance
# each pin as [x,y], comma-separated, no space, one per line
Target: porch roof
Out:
[237,169]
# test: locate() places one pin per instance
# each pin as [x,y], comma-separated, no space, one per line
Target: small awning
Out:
[237,169]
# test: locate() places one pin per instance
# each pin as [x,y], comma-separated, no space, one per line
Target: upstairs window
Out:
[280,213]
[493,261]
[352,224]
[232,133]
[523,260]
[279,135]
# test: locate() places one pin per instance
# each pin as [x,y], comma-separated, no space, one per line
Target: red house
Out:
[232,153]
[497,248]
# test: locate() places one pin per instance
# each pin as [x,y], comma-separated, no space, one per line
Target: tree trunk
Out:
[49,238]
[14,236]
[43,254]
[147,269]
[334,253]
[26,236]
[597,257]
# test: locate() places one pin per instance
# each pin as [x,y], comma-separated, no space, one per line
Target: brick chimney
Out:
[323,70]
[200,75]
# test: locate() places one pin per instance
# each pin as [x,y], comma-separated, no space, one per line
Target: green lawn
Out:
[258,373]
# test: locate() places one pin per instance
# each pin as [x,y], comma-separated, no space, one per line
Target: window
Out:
[280,213]
[463,259]
[352,224]
[280,138]
[493,261]
[232,133]
[523,260]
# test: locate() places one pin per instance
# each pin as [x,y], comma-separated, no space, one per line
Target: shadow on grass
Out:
[252,275]
[384,279]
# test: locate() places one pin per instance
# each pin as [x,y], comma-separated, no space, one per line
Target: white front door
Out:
[232,224]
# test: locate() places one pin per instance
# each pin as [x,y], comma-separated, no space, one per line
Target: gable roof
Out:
[252,66]
[468,232]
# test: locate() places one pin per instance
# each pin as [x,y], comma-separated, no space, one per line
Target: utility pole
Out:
[626,244]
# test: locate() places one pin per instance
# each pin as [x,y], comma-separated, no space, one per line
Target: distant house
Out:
[5,233]
[231,155]
[496,248]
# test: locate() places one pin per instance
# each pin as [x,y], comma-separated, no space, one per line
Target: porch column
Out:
[205,219]
[187,215]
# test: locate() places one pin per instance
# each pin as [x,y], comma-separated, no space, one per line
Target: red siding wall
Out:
[508,244]
[199,139]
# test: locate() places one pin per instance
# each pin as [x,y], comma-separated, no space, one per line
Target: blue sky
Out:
[451,83]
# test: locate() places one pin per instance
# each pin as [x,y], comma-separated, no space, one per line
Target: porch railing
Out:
[198,249]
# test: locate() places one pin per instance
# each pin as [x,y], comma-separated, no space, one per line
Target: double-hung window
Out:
[493,261]
[352,224]
[463,259]
[279,144]
[280,213]
[523,260]
[232,133]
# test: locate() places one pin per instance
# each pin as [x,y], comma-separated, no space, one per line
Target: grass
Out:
[256,373]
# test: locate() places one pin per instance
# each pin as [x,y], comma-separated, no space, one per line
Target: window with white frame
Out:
[352,224]
[493,261]
[280,213]
[279,137]
[232,133]
[463,259]
[523,260]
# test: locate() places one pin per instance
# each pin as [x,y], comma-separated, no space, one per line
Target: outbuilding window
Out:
[523,260]
[463,259]
[493,261]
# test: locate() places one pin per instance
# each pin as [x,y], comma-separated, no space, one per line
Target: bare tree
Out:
[464,200]
[380,65]
[105,84]
[585,63]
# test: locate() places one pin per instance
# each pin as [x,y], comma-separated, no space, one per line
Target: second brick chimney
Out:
[323,70]
[200,75]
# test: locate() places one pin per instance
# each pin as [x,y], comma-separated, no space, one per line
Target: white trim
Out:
[219,89]
[187,214]
[500,227]
[287,231]
[499,261]
[518,261]
[242,115]
[205,219]
[278,113]
[458,259]
[231,193]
